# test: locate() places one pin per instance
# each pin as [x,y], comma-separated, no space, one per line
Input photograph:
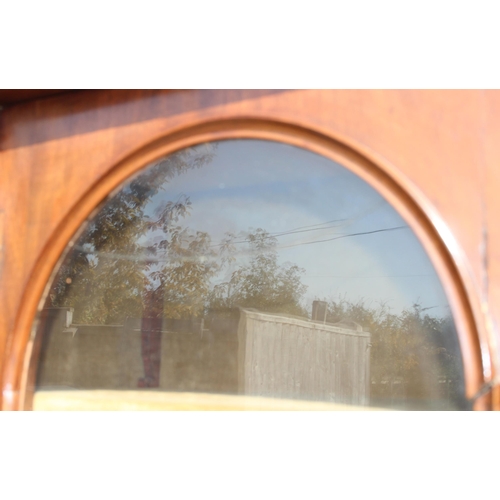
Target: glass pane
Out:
[247,274]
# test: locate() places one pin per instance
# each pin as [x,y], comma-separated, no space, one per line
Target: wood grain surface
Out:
[101,400]
[289,356]
[433,154]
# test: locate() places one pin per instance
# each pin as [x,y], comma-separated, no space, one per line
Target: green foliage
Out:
[262,284]
[183,281]
[413,355]
[113,266]
[126,261]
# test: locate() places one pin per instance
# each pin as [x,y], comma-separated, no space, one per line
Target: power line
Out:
[347,235]
[112,255]
[379,276]
[313,225]
[313,228]
[300,229]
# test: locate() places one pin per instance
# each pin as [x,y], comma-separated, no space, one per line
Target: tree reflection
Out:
[262,284]
[125,254]
[131,262]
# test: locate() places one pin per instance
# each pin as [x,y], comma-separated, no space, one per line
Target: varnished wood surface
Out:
[440,147]
[15,96]
[175,401]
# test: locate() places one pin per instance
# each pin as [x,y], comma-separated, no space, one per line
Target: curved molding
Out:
[409,202]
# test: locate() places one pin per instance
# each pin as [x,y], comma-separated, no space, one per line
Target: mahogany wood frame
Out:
[190,118]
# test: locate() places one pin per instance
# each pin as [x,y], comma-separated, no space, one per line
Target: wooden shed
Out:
[289,357]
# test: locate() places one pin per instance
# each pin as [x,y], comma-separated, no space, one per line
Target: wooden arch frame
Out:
[19,370]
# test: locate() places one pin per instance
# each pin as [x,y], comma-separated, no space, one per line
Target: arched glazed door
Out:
[248,262]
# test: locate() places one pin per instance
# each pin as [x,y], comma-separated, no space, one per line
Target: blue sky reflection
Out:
[285,189]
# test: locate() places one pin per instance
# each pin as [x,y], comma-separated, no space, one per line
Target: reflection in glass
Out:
[247,274]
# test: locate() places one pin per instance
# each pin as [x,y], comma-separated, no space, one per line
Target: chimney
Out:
[319,310]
